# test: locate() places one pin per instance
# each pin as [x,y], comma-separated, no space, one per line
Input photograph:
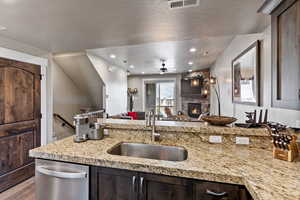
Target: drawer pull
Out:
[217,194]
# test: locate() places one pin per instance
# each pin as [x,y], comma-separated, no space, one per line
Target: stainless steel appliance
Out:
[61,181]
[87,127]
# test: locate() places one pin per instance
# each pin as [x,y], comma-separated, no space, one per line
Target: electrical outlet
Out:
[242,140]
[106,133]
[215,139]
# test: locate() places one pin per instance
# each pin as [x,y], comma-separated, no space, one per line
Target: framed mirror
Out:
[246,76]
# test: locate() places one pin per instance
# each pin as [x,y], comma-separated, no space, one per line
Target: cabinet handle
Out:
[141,187]
[133,184]
[216,194]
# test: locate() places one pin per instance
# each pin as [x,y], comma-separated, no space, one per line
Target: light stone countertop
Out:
[178,126]
[265,178]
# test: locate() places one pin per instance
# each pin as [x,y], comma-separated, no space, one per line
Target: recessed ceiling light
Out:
[193,49]
[190,70]
[2,28]
[131,66]
[113,56]
[143,72]
[191,63]
[161,73]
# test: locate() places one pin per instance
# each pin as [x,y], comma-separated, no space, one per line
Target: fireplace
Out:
[194,110]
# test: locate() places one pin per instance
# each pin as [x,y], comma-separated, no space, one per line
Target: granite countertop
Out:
[178,126]
[265,178]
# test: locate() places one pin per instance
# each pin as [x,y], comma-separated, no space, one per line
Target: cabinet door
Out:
[113,184]
[285,53]
[156,187]
[216,191]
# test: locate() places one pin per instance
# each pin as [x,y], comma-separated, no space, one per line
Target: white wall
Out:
[43,62]
[68,99]
[82,72]
[136,81]
[115,85]
[222,69]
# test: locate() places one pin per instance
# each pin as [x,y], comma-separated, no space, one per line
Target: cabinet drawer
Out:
[216,191]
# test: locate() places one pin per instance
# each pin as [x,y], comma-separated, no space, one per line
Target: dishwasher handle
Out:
[58,174]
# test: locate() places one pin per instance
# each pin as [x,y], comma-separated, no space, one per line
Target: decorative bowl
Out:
[218,120]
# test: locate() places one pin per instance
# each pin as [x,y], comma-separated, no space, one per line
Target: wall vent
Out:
[177,4]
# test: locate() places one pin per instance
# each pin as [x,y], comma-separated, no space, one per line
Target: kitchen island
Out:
[264,177]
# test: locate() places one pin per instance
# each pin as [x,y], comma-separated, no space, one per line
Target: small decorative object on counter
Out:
[252,122]
[284,144]
[218,120]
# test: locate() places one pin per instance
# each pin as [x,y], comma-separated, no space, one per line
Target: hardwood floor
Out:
[23,191]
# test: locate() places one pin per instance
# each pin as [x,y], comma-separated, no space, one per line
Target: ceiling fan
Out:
[163,69]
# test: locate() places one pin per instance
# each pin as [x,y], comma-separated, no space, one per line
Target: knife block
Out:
[287,155]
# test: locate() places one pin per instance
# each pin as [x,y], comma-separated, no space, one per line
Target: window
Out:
[161,96]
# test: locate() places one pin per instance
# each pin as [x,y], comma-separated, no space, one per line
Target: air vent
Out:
[177,4]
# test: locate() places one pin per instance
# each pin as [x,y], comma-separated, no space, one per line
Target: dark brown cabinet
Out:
[157,187]
[112,184]
[115,184]
[286,55]
[218,191]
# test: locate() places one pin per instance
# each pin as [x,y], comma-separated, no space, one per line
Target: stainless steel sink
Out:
[157,152]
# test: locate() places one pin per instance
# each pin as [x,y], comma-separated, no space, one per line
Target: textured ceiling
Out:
[75,25]
[146,57]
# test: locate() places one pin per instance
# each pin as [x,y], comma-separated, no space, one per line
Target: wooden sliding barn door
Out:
[19,120]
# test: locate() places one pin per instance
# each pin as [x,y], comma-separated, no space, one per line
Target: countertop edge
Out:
[203,129]
[240,180]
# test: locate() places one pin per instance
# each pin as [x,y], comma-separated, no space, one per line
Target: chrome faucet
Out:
[150,122]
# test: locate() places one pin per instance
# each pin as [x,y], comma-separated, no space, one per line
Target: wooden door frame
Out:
[46,87]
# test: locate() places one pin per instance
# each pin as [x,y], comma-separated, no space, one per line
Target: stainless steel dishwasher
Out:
[61,181]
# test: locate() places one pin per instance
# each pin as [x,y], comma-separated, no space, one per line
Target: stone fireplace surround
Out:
[186,100]
[203,100]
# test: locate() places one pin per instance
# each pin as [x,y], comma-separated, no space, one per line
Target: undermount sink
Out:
[151,151]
